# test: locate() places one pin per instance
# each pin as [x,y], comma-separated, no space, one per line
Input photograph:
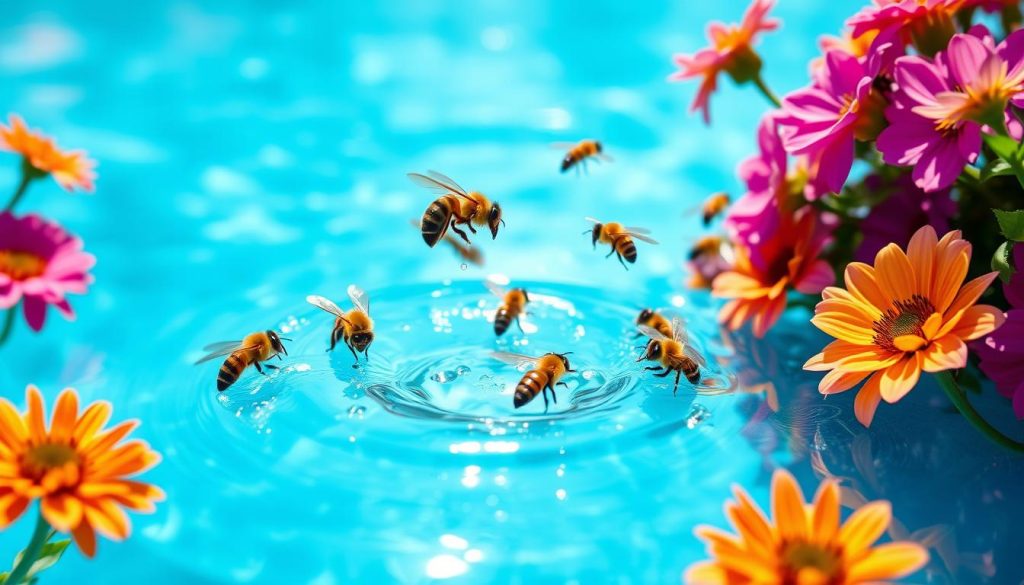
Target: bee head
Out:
[645,315]
[275,342]
[526,297]
[494,219]
[565,360]
[598,147]
[652,352]
[362,340]
[595,234]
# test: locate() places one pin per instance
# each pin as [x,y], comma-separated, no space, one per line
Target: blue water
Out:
[251,155]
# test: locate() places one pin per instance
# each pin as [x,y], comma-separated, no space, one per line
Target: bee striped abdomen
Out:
[569,160]
[529,387]
[692,372]
[436,219]
[626,248]
[230,371]
[502,320]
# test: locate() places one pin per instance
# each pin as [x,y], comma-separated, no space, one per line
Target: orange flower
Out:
[76,470]
[758,281]
[805,542]
[910,312]
[70,169]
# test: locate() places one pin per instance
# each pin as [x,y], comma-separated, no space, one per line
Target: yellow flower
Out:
[77,471]
[804,544]
[70,169]
[910,312]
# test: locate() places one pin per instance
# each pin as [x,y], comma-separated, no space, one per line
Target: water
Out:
[250,157]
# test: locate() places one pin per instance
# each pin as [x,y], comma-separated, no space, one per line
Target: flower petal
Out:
[867,400]
[788,506]
[888,562]
[864,527]
[978,321]
[946,353]
[900,378]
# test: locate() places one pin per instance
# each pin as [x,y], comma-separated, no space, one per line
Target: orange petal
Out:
[909,342]
[896,275]
[852,357]
[108,519]
[92,421]
[35,418]
[978,321]
[945,353]
[12,506]
[733,285]
[65,414]
[867,400]
[768,315]
[63,512]
[103,442]
[85,538]
[921,253]
[860,313]
[864,527]
[931,326]
[825,518]
[840,380]
[900,378]
[862,281]
[705,573]
[12,428]
[970,292]
[844,326]
[950,271]
[788,506]
[888,562]
[750,522]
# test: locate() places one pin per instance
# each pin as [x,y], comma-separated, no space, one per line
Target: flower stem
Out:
[766,91]
[26,178]
[972,172]
[959,399]
[29,556]
[8,326]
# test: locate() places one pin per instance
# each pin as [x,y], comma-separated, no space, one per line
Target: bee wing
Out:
[642,237]
[651,332]
[515,359]
[436,185]
[563,145]
[637,230]
[359,298]
[592,220]
[679,330]
[495,288]
[216,350]
[325,304]
[605,157]
[694,354]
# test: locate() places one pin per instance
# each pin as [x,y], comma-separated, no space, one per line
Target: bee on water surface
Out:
[581,152]
[257,347]
[713,206]
[513,306]
[545,373]
[620,238]
[453,208]
[654,320]
[468,253]
[355,327]
[673,353]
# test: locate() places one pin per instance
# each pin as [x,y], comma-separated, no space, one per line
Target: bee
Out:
[355,327]
[513,306]
[453,208]
[654,320]
[545,374]
[620,238]
[709,247]
[467,253]
[256,349]
[714,205]
[674,354]
[580,152]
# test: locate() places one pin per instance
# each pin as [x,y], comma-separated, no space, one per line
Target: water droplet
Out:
[698,414]
[464,266]
[445,376]
[356,411]
[819,441]
[588,374]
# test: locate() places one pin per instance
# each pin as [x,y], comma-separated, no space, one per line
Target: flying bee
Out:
[710,247]
[256,349]
[673,352]
[546,373]
[713,206]
[581,152]
[455,207]
[620,238]
[355,327]
[654,320]
[467,253]
[513,306]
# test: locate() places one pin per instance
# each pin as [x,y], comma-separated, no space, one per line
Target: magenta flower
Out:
[731,51]
[898,217]
[928,23]
[937,115]
[756,213]
[823,120]
[1002,352]
[40,264]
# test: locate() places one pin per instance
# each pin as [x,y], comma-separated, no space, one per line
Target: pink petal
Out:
[35,312]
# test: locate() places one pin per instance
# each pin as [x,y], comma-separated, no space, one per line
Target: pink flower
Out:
[897,218]
[937,115]
[756,213]
[926,23]
[823,120]
[1002,352]
[40,264]
[730,51]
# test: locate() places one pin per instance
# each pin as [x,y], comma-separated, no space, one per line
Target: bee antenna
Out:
[284,338]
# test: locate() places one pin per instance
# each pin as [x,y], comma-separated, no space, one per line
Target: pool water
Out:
[251,156]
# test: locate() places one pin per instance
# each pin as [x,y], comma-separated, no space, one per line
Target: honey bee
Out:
[545,374]
[256,348]
[355,327]
[620,238]
[467,253]
[513,306]
[714,205]
[709,247]
[674,354]
[453,208]
[654,320]
[580,152]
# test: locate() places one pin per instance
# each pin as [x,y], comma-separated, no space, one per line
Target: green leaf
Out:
[48,557]
[1011,223]
[995,168]
[1001,262]
[1005,147]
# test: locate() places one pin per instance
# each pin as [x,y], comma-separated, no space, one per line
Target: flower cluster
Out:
[910,125]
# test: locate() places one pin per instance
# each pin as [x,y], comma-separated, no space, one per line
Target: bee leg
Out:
[353,350]
[653,368]
[271,366]
[461,233]
[520,325]
[366,353]
[623,262]
[259,368]
[676,387]
[544,392]
[562,384]
[334,340]
[663,374]
[552,388]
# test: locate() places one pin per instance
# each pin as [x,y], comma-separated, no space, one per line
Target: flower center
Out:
[804,562]
[46,456]
[903,318]
[21,265]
